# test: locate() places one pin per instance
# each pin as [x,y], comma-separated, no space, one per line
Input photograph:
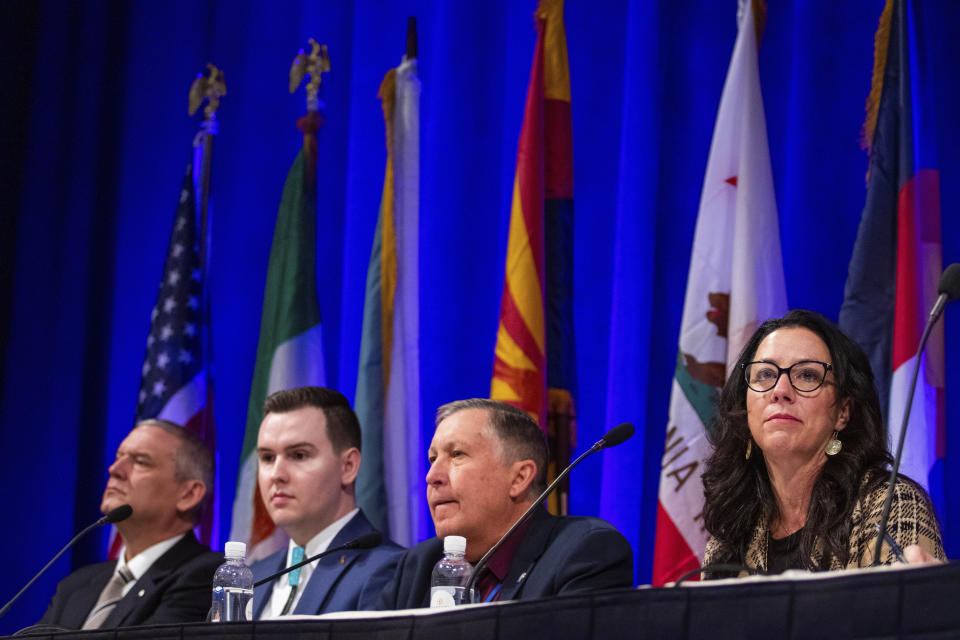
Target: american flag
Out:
[176,382]
[174,379]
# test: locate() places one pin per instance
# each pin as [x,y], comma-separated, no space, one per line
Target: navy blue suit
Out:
[557,556]
[346,581]
[176,588]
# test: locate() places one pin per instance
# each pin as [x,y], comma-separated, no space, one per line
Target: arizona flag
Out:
[290,352]
[896,262]
[535,365]
[387,401]
[735,282]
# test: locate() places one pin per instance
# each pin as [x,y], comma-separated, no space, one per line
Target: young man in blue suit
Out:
[308,452]
[488,464]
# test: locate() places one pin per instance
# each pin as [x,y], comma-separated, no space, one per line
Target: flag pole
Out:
[209,87]
[312,65]
[411,38]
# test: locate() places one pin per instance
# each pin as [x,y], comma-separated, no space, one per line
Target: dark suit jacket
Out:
[346,581]
[558,555]
[176,588]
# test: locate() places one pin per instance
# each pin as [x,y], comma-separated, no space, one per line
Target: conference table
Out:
[916,603]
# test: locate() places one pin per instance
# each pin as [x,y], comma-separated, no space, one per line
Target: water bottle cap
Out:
[235,550]
[454,544]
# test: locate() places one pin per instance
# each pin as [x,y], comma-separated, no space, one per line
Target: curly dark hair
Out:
[737,491]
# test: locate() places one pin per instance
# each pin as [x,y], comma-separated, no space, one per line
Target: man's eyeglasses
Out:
[805,376]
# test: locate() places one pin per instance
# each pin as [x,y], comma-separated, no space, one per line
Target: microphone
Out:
[615,436]
[367,541]
[612,438]
[114,515]
[948,290]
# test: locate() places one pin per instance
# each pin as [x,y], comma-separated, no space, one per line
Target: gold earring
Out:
[749,448]
[834,446]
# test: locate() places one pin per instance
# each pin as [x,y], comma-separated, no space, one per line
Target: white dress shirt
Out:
[141,563]
[281,586]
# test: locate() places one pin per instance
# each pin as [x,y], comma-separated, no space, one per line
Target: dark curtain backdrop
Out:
[96,138]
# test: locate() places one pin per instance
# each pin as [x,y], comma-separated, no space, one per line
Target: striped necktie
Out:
[109,597]
[293,578]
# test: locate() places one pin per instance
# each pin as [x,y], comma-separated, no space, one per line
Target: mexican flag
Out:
[290,352]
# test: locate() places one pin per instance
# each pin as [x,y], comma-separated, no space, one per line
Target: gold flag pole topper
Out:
[314,64]
[210,87]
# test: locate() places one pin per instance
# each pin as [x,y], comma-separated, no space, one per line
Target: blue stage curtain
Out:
[99,136]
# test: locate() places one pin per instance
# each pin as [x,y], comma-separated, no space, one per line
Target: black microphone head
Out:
[618,434]
[950,282]
[113,516]
[367,541]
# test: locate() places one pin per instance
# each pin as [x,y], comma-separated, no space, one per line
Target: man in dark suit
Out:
[488,464]
[308,455]
[163,575]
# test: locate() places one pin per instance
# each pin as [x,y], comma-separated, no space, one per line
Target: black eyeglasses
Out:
[805,376]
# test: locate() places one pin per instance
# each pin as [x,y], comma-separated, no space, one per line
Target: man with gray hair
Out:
[163,575]
[488,464]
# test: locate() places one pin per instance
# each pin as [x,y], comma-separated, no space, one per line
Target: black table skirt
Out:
[921,603]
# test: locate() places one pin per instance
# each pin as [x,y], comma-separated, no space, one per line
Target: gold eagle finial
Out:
[210,87]
[314,65]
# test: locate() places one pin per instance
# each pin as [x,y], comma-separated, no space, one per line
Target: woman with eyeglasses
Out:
[800,467]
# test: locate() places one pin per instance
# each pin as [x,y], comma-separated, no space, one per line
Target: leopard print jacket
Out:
[912,521]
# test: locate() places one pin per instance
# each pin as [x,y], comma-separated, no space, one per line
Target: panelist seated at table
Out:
[800,467]
[163,575]
[308,455]
[488,464]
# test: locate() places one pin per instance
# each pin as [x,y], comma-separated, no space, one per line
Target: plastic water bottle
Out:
[451,575]
[232,587]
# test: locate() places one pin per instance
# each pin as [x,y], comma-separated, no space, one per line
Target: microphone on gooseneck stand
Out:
[115,515]
[948,290]
[612,438]
[367,541]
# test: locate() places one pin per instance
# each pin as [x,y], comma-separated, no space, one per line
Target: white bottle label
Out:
[442,597]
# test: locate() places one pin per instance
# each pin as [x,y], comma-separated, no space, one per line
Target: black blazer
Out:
[176,588]
[558,555]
